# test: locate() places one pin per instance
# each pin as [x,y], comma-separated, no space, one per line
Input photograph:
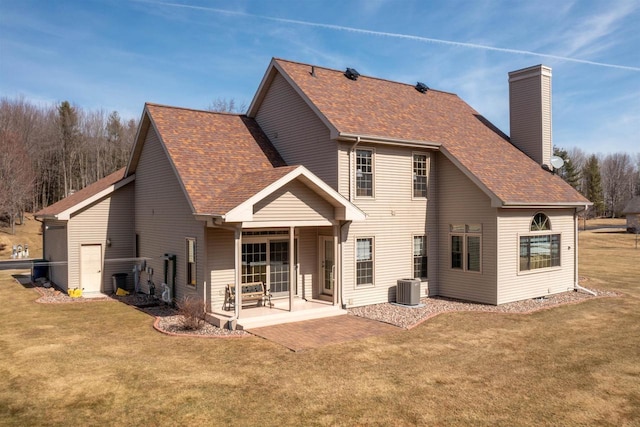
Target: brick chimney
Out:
[530,112]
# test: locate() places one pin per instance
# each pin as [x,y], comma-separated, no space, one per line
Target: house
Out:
[632,213]
[334,186]
[87,235]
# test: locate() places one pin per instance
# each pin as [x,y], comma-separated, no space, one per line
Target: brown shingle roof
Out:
[81,195]
[376,107]
[213,152]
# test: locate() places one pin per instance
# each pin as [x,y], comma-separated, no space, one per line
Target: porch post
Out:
[238,271]
[292,270]
[336,264]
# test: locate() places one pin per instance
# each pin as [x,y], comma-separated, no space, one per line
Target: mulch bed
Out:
[169,321]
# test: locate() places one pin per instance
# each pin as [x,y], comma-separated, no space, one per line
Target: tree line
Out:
[48,152]
[609,181]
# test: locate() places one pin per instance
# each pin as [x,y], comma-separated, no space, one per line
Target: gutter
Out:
[388,141]
[579,206]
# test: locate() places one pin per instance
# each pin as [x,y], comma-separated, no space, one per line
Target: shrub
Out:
[192,311]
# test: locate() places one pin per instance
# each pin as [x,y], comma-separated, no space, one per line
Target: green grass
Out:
[102,363]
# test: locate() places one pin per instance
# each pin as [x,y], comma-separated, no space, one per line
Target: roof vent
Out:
[352,74]
[421,87]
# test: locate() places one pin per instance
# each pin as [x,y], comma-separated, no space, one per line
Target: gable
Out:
[294,201]
[381,111]
[206,150]
[87,196]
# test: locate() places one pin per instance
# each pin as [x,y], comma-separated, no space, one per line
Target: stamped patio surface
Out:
[316,333]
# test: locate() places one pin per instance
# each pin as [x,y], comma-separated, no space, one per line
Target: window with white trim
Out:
[364,261]
[420,257]
[539,249]
[466,247]
[420,175]
[364,173]
[191,262]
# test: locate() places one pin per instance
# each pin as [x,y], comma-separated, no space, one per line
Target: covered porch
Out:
[285,238]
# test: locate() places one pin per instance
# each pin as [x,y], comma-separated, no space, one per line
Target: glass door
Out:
[279,267]
[254,262]
[328,265]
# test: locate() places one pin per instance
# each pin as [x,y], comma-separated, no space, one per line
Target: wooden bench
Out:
[255,291]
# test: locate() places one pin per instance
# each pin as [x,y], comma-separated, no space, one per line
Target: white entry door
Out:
[327,265]
[91,268]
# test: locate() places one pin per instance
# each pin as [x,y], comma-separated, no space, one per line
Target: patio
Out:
[253,316]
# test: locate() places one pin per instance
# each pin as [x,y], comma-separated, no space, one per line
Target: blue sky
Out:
[116,55]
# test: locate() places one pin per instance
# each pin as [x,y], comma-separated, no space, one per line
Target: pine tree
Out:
[568,172]
[593,185]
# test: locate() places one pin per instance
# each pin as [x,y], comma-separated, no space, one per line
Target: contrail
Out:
[392,35]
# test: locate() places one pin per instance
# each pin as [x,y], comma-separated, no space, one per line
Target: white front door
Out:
[327,265]
[91,268]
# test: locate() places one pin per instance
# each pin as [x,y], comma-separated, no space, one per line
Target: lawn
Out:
[102,363]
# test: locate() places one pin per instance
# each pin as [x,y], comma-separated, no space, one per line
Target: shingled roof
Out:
[223,160]
[211,151]
[77,199]
[386,110]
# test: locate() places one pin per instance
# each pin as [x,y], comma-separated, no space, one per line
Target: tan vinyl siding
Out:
[221,264]
[514,285]
[55,251]
[113,218]
[308,269]
[164,219]
[460,201]
[296,131]
[294,200]
[393,218]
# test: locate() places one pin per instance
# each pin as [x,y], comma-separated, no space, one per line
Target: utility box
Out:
[408,292]
[40,268]
[119,281]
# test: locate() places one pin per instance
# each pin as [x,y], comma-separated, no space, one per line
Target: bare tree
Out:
[16,176]
[222,105]
[618,176]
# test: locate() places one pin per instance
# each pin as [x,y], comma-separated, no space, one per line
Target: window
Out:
[473,253]
[540,222]
[540,250]
[364,261]
[420,257]
[466,247]
[191,262]
[419,175]
[364,173]
[254,262]
[456,252]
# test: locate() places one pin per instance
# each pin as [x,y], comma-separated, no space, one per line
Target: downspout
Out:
[576,277]
[351,150]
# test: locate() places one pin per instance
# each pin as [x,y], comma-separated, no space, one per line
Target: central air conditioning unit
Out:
[408,292]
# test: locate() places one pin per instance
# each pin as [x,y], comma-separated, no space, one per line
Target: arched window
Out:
[539,250]
[540,222]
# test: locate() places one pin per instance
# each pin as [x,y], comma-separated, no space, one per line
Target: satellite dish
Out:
[557,162]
